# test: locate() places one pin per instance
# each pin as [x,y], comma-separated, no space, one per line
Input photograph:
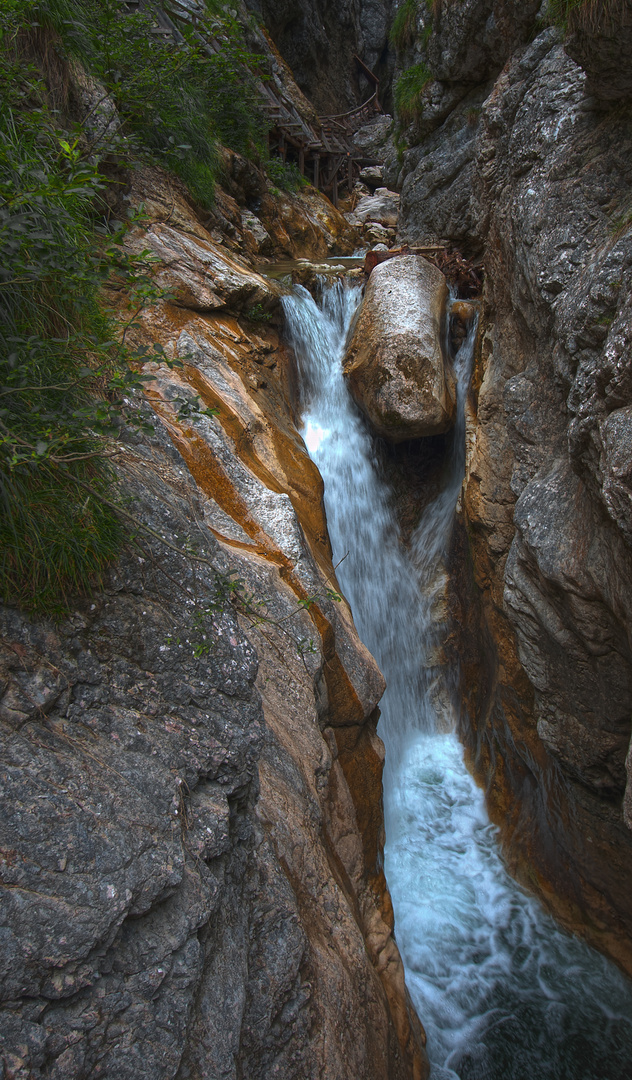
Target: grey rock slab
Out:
[373,176]
[125,743]
[201,275]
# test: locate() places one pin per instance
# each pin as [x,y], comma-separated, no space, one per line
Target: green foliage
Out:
[285,175]
[585,14]
[62,377]
[52,537]
[257,314]
[177,99]
[408,90]
[402,31]
[64,372]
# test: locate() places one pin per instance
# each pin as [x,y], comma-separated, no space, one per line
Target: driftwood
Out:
[465,275]
[372,258]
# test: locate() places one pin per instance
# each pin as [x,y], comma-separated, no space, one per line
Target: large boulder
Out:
[382,207]
[394,362]
[370,140]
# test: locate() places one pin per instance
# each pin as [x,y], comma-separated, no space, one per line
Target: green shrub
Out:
[53,340]
[257,314]
[62,376]
[285,174]
[64,368]
[408,90]
[176,100]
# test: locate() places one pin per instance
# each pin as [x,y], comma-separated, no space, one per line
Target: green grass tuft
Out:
[408,89]
[404,27]
[56,539]
[587,15]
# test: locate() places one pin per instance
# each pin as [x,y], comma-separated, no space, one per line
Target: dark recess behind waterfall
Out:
[318,41]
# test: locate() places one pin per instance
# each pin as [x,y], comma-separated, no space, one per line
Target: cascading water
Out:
[504,994]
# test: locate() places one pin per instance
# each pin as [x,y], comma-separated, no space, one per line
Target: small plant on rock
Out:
[584,14]
[285,175]
[408,90]
[403,30]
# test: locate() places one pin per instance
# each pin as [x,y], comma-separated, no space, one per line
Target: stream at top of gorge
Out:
[503,992]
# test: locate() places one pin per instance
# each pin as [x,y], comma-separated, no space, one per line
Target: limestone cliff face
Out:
[319,40]
[529,169]
[191,839]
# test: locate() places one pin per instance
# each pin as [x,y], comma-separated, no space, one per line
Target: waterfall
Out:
[504,993]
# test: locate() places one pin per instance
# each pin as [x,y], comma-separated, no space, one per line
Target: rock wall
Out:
[191,826]
[527,169]
[319,40]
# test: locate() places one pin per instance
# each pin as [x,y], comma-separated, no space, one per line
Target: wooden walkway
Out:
[323,150]
[326,150]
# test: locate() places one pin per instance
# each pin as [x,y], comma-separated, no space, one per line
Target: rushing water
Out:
[504,994]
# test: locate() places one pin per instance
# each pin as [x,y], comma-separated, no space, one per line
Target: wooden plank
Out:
[366,71]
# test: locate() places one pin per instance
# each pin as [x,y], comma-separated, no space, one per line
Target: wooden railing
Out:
[327,144]
[349,122]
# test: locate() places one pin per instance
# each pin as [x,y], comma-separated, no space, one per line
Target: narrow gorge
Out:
[323,768]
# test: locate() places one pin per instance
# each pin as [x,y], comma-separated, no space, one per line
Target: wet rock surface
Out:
[534,182]
[191,827]
[250,221]
[306,224]
[394,362]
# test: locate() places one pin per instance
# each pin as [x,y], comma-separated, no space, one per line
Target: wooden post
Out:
[301,161]
[334,193]
[282,146]
[316,165]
